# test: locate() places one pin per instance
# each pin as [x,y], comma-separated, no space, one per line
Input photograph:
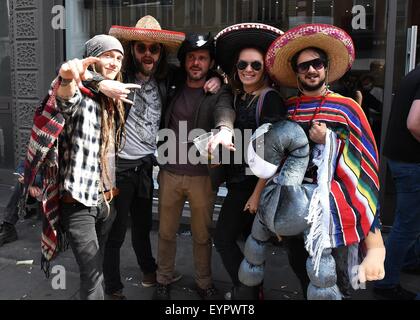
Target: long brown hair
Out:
[112,130]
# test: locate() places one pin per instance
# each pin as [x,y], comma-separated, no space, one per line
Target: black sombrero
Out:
[232,39]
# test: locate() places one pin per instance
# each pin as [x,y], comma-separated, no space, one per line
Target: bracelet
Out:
[64,82]
[226,128]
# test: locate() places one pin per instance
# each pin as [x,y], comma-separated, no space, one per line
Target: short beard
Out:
[311,88]
[191,78]
[147,73]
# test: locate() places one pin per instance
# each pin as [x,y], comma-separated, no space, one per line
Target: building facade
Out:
[37,35]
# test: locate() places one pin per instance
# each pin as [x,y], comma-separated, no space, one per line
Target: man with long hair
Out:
[87,147]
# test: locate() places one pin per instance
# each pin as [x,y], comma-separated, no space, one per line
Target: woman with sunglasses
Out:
[240,52]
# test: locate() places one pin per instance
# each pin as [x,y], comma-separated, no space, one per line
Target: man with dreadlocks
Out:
[87,147]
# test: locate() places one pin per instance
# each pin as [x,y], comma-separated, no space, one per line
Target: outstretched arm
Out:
[117,90]
[72,73]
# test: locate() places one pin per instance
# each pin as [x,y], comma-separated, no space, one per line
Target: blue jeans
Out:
[412,259]
[406,227]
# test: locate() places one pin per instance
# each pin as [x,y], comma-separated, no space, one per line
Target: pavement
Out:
[21,277]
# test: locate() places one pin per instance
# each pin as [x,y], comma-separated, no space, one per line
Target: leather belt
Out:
[67,198]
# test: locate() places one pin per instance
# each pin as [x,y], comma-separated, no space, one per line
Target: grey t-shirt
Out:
[143,122]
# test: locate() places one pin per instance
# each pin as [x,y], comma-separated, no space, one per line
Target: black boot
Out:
[243,292]
[7,233]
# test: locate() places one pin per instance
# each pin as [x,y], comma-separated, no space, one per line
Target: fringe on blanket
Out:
[319,218]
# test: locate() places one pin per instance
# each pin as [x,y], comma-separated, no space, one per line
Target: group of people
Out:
[101,124]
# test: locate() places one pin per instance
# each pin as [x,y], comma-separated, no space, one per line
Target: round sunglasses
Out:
[153,49]
[242,65]
[317,64]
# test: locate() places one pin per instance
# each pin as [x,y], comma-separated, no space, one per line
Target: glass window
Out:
[89,17]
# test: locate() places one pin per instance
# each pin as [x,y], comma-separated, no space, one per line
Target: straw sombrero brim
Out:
[170,39]
[232,39]
[337,44]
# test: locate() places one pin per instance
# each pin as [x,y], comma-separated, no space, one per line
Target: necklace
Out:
[317,110]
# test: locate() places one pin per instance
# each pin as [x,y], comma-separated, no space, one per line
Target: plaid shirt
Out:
[80,148]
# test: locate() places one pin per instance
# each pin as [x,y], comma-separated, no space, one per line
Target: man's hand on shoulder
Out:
[212,85]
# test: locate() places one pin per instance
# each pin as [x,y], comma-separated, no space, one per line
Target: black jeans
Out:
[11,215]
[233,222]
[87,229]
[130,201]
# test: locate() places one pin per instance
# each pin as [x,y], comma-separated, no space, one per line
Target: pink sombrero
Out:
[148,29]
[234,38]
[334,41]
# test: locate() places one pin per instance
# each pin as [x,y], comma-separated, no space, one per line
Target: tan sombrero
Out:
[148,29]
[337,44]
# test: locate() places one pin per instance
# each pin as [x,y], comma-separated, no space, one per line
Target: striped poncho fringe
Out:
[355,185]
[42,155]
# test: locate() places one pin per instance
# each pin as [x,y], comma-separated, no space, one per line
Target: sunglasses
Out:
[153,49]
[317,64]
[242,65]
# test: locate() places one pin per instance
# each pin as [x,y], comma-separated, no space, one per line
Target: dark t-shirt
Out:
[273,110]
[185,107]
[400,145]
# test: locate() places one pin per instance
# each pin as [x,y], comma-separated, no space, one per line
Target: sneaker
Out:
[208,294]
[149,280]
[118,295]
[161,292]
[8,233]
[394,293]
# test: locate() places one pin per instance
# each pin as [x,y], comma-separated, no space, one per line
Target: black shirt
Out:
[273,110]
[400,145]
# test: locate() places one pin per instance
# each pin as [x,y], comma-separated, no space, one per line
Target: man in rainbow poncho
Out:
[337,194]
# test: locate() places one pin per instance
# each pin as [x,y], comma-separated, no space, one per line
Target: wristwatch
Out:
[64,82]
[93,83]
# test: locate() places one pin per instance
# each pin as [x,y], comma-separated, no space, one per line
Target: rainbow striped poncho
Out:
[354,188]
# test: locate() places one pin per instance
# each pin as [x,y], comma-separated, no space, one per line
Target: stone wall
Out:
[36,50]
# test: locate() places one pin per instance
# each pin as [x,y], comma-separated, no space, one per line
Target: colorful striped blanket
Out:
[42,156]
[354,187]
